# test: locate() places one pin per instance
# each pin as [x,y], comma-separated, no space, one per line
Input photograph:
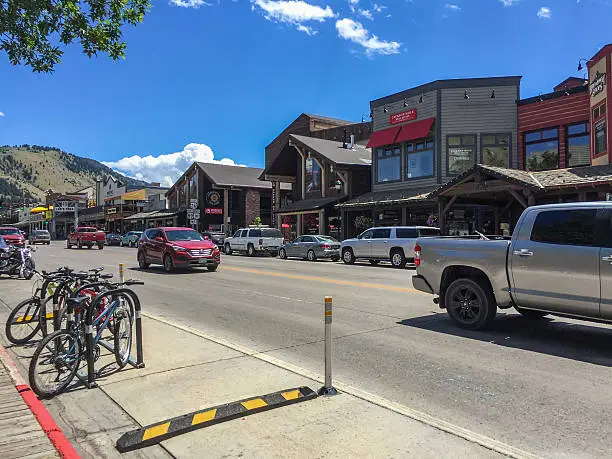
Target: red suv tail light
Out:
[417,255]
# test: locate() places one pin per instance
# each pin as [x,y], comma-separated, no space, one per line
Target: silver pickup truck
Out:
[558,261]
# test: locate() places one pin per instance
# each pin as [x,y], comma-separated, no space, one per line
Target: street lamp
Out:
[580,61]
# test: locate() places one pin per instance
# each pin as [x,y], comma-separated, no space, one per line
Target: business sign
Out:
[48,215]
[402,117]
[598,83]
[274,198]
[193,222]
[213,198]
[193,214]
[111,210]
[193,203]
[213,211]
[64,206]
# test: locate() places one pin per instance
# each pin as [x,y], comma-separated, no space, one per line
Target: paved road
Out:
[542,386]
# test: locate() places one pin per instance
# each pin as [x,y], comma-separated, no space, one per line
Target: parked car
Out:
[311,248]
[175,248]
[130,238]
[40,237]
[395,244]
[86,236]
[113,239]
[217,238]
[254,240]
[558,261]
[12,236]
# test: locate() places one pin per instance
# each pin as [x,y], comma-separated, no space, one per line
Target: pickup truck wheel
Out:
[101,246]
[79,244]
[228,249]
[470,304]
[398,259]
[531,313]
[348,256]
[250,250]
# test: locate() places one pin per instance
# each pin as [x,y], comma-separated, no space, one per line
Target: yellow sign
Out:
[48,215]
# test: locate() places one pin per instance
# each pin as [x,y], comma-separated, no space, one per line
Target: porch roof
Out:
[386,198]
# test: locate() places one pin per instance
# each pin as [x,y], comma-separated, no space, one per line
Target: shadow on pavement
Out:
[160,270]
[576,341]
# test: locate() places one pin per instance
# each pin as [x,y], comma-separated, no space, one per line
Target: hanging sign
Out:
[598,83]
[213,198]
[64,206]
[213,211]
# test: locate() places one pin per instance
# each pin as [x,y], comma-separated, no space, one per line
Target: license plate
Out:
[203,261]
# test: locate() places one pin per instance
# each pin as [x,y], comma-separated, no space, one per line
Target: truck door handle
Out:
[523,253]
[608,258]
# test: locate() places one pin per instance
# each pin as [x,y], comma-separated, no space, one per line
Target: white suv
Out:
[254,240]
[394,243]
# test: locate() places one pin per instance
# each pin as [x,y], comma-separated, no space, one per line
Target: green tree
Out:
[32,31]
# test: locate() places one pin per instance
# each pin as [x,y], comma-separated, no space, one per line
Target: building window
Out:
[496,150]
[461,152]
[579,144]
[183,194]
[193,186]
[600,138]
[313,175]
[420,159]
[388,164]
[600,111]
[542,150]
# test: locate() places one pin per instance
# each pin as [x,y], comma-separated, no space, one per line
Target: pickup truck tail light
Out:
[417,255]
[261,242]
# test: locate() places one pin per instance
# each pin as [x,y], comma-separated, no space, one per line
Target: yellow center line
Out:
[321,279]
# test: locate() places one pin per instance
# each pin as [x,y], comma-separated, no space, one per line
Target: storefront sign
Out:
[111,211]
[193,214]
[213,211]
[402,117]
[193,203]
[49,215]
[598,83]
[64,206]
[274,198]
[213,198]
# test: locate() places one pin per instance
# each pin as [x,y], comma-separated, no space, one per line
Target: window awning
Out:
[384,137]
[415,130]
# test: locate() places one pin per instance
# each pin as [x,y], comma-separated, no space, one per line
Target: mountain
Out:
[28,171]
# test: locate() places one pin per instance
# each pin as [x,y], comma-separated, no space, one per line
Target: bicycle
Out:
[57,358]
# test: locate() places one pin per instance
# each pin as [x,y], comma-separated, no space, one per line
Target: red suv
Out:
[177,248]
[12,236]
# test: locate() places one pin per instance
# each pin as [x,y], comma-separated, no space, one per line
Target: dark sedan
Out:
[217,238]
[113,239]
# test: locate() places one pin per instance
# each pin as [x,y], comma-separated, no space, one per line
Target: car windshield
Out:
[327,239]
[9,232]
[271,232]
[183,235]
[429,232]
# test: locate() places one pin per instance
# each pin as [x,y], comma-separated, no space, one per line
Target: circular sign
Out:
[213,198]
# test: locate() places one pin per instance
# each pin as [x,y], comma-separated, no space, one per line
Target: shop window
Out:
[600,137]
[313,175]
[388,164]
[600,111]
[579,144]
[542,150]
[420,159]
[496,150]
[461,153]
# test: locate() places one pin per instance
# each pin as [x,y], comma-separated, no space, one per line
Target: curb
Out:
[44,418]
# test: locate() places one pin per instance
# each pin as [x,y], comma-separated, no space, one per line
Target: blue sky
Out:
[219,79]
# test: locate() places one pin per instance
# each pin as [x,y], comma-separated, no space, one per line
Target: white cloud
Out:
[166,168]
[189,3]
[355,32]
[509,2]
[378,8]
[353,4]
[294,12]
[544,13]
[452,7]
[366,14]
[1,114]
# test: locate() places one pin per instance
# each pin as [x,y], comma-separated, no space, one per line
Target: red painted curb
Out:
[46,421]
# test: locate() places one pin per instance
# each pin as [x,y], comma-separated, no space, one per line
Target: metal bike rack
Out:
[89,379]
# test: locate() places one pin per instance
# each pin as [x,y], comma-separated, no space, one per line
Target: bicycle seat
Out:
[106,276]
[77,301]
[97,270]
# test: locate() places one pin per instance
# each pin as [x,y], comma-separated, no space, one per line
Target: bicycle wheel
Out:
[123,337]
[54,363]
[23,323]
[45,316]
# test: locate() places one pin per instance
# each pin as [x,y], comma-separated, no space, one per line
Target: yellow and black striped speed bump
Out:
[155,433]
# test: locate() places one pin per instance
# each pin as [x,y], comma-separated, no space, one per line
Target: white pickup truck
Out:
[559,262]
[253,241]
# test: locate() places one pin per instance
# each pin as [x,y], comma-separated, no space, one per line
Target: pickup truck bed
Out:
[559,261]
[86,236]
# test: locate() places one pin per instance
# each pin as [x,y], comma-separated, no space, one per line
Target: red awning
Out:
[416,130]
[384,137]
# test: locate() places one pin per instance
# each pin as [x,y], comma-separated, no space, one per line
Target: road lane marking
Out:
[432,421]
[321,279]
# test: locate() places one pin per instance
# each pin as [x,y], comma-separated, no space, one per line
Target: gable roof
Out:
[239,176]
[334,151]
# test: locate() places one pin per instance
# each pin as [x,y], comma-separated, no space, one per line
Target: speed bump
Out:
[160,431]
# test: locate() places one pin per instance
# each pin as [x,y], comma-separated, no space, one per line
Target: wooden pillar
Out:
[299,225]
[225,210]
[404,216]
[343,223]
[531,200]
[582,196]
[442,215]
[322,223]
[497,214]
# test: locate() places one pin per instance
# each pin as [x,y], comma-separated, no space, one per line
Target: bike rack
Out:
[61,287]
[89,379]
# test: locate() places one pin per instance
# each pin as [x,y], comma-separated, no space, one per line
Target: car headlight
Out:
[176,248]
